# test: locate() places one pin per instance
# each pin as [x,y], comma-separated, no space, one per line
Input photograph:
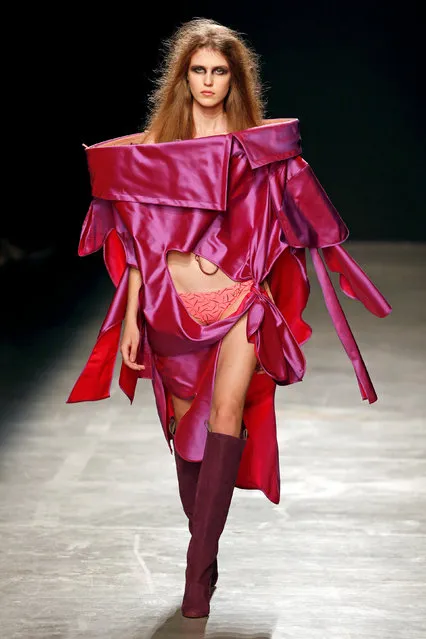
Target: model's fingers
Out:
[129,352]
[133,351]
[125,352]
[134,367]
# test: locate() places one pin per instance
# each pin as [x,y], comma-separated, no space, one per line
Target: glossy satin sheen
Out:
[249,203]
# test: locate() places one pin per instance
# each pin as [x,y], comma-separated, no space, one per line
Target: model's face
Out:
[209,77]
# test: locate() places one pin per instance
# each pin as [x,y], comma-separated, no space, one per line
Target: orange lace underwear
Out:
[209,306]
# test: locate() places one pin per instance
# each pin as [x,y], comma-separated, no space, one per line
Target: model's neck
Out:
[208,121]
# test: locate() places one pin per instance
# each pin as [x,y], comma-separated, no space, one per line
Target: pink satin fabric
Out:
[248,202]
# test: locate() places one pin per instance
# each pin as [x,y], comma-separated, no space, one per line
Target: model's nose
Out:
[208,80]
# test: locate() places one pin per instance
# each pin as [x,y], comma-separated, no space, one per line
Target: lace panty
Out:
[210,306]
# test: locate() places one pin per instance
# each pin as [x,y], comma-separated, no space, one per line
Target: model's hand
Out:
[129,345]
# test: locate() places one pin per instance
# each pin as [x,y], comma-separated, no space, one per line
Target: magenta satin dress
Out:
[248,202]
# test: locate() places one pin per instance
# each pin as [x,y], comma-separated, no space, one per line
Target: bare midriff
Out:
[206,291]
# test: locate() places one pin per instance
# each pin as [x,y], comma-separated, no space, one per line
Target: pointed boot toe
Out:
[196,601]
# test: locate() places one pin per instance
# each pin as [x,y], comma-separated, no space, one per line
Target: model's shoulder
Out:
[277,120]
[148,137]
[144,137]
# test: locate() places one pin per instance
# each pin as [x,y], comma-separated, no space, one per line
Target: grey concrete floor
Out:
[93,537]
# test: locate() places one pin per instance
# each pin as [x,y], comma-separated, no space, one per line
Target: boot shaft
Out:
[215,488]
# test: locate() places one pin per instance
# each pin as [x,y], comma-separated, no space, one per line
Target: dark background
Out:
[351,73]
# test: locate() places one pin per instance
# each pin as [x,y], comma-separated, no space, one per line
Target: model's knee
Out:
[226,409]
[226,417]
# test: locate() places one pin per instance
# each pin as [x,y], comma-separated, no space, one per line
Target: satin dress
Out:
[249,203]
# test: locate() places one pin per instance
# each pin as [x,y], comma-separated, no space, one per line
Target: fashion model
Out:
[205,219]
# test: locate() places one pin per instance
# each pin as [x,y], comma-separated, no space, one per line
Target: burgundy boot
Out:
[187,474]
[216,482]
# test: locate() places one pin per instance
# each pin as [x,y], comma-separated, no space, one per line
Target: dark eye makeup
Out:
[220,70]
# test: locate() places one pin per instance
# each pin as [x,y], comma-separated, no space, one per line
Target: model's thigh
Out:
[236,364]
[180,407]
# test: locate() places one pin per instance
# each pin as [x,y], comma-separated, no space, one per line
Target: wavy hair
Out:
[170,103]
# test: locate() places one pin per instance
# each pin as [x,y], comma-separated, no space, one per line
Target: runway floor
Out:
[93,536]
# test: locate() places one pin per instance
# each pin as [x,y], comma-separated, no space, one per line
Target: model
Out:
[205,219]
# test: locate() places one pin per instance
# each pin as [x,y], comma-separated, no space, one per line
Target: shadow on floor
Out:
[43,299]
[178,627]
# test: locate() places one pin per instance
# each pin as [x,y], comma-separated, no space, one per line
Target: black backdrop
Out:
[351,73]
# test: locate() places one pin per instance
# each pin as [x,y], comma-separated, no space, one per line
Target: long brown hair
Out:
[170,103]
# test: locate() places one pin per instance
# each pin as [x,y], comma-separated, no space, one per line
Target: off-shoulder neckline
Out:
[268,123]
[114,142]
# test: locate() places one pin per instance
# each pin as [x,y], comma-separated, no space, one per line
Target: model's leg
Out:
[187,472]
[236,364]
[219,467]
[180,407]
[187,475]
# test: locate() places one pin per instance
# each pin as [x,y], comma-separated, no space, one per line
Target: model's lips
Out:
[207,92]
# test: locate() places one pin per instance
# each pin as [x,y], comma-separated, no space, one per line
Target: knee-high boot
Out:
[187,475]
[215,486]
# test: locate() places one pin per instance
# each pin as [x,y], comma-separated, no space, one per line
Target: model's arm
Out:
[135,281]
[131,334]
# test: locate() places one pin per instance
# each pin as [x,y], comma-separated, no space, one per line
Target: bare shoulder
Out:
[149,137]
[277,120]
[144,137]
